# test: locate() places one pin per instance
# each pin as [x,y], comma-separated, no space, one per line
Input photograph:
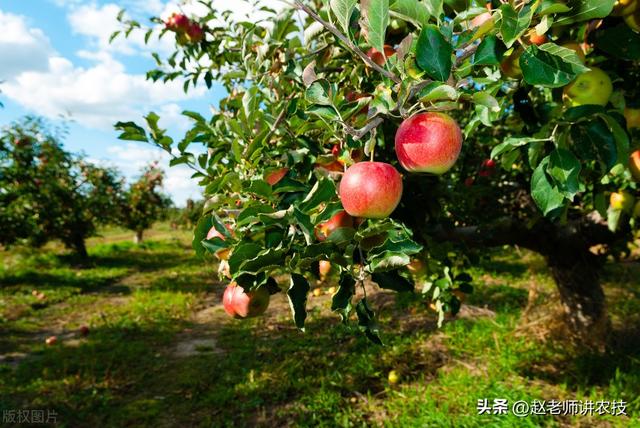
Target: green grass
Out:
[145,303]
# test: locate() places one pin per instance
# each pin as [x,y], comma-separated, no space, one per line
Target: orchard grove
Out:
[396,139]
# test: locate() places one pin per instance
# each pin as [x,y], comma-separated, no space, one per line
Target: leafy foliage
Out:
[303,98]
[47,193]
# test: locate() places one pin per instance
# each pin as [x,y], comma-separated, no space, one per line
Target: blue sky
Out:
[57,62]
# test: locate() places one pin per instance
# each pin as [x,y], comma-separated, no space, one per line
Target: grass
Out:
[161,351]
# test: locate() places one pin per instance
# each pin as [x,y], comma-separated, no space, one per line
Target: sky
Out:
[56,62]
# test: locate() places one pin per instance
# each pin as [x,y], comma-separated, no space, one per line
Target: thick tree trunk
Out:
[573,267]
[79,247]
[138,237]
[582,297]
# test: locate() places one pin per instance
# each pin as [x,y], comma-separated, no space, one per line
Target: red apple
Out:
[370,189]
[469,181]
[84,330]
[340,219]
[239,304]
[51,340]
[275,176]
[428,142]
[177,22]
[634,164]
[377,56]
[536,39]
[195,33]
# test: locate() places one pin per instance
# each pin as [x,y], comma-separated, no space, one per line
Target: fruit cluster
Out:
[187,31]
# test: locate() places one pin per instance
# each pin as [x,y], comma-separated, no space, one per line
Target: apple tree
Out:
[442,128]
[143,203]
[47,193]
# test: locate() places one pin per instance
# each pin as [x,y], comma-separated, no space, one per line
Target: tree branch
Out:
[344,39]
[466,53]
[359,133]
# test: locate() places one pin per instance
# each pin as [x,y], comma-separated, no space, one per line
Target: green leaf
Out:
[258,187]
[487,100]
[323,191]
[620,41]
[489,52]
[565,168]
[436,91]
[434,7]
[242,252]
[550,65]
[392,281]
[265,259]
[413,11]
[584,10]
[433,53]
[549,7]
[341,301]
[367,322]
[613,219]
[544,193]
[512,143]
[620,137]
[200,233]
[297,294]
[594,140]
[514,22]
[376,20]
[343,10]
[319,93]
[131,132]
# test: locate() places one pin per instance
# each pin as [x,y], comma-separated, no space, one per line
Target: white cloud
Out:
[22,48]
[100,22]
[97,96]
[130,158]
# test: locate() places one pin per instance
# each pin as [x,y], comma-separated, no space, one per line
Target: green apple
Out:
[592,87]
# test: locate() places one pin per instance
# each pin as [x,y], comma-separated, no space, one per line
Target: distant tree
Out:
[47,193]
[189,215]
[144,204]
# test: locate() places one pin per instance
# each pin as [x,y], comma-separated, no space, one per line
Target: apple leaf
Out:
[565,169]
[594,140]
[550,65]
[512,143]
[436,91]
[264,260]
[584,10]
[320,92]
[515,22]
[376,20]
[343,10]
[433,53]
[323,191]
[489,51]
[544,192]
[367,322]
[620,41]
[613,218]
[242,252]
[392,281]
[413,11]
[341,301]
[297,294]
[620,137]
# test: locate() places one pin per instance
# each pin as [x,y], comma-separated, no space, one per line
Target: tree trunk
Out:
[582,297]
[137,238]
[79,247]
